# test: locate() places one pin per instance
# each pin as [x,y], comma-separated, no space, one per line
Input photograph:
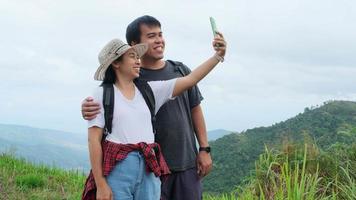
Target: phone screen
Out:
[213,25]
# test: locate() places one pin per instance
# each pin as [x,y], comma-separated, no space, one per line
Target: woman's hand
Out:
[219,44]
[104,192]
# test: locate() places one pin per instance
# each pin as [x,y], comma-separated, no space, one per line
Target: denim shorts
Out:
[130,180]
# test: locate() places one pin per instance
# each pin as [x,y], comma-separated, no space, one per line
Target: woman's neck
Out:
[126,86]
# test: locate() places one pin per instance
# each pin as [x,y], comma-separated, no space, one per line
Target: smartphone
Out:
[213,25]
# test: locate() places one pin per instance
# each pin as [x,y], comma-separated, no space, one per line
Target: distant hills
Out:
[51,147]
[217,133]
[234,154]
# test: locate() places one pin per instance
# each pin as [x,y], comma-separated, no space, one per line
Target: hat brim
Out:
[140,49]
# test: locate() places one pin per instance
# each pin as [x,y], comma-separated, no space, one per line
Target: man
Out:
[176,121]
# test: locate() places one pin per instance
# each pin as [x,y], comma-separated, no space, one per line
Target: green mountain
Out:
[234,155]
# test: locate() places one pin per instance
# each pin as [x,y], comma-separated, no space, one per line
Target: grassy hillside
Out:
[20,180]
[297,173]
[292,172]
[234,155]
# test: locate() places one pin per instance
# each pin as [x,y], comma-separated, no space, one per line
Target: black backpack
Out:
[108,103]
[179,66]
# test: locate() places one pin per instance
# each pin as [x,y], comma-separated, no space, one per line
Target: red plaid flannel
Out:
[113,153]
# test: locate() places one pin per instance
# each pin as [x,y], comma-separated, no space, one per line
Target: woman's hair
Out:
[110,76]
[133,31]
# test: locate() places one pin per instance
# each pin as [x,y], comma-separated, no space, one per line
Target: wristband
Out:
[219,58]
[206,149]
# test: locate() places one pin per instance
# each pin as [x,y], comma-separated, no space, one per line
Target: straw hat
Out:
[112,51]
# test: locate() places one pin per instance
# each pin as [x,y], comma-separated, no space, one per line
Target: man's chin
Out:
[159,57]
[153,56]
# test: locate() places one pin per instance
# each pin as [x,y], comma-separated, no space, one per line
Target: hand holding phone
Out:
[219,41]
[213,26]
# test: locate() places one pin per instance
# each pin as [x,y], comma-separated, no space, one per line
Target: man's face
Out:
[152,35]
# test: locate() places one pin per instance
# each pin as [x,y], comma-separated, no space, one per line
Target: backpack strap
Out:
[149,98]
[178,66]
[108,103]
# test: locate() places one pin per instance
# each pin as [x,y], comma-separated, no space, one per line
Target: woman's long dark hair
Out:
[110,76]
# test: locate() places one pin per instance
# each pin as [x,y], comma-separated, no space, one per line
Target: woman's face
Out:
[130,64]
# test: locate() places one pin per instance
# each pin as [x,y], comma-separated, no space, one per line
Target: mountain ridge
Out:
[234,154]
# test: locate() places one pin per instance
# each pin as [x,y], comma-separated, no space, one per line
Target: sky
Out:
[282,56]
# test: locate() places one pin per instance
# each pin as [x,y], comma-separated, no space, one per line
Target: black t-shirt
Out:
[174,126]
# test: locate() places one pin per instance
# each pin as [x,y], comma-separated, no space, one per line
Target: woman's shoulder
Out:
[98,92]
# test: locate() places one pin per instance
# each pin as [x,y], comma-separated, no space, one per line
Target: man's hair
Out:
[133,31]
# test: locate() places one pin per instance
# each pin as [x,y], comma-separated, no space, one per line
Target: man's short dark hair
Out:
[133,31]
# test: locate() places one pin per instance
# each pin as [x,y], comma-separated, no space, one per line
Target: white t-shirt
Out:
[132,118]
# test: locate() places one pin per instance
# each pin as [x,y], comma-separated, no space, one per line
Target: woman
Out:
[120,163]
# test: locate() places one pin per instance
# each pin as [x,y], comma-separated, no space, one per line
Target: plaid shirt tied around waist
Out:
[113,153]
